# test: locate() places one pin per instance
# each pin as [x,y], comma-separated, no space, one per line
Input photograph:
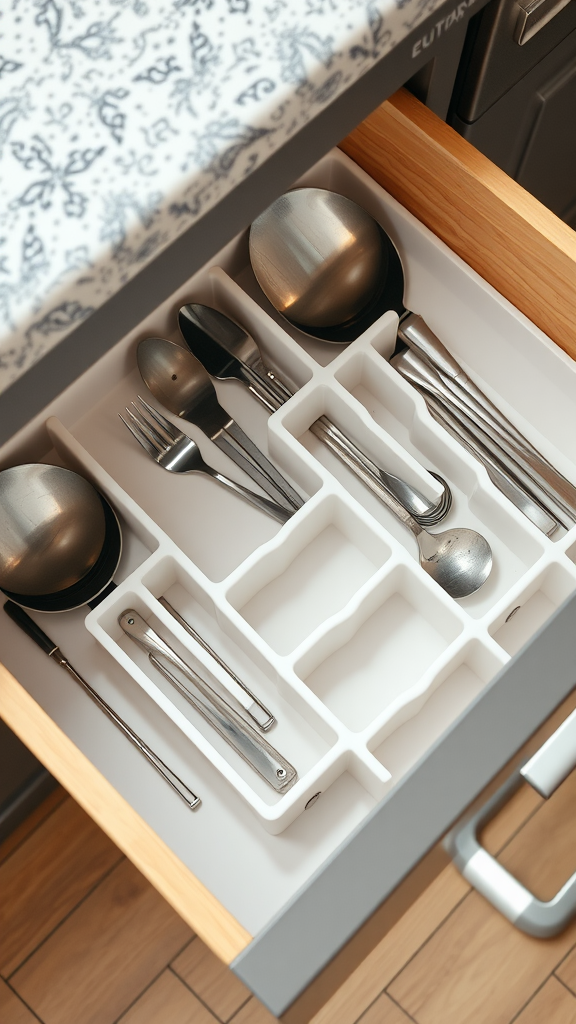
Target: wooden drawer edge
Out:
[163,869]
[498,228]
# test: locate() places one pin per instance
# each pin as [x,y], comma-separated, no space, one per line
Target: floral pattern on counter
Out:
[123,121]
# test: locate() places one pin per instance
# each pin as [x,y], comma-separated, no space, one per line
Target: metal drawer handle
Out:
[544,771]
[533,15]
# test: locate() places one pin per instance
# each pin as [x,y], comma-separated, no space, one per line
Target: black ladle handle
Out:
[22,619]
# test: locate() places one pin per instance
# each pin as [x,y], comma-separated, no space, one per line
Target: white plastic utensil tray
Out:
[329,618]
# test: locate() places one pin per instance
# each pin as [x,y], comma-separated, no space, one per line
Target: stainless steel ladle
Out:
[52,528]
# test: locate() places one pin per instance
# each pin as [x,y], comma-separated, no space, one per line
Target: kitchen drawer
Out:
[278,893]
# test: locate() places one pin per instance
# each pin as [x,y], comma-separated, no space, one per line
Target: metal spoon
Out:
[179,381]
[460,560]
[221,346]
[52,528]
[317,256]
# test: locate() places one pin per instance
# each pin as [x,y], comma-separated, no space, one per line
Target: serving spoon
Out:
[460,560]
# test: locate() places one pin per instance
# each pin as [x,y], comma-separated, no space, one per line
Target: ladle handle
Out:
[28,626]
[417,335]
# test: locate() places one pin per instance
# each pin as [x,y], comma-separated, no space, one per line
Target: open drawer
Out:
[393,701]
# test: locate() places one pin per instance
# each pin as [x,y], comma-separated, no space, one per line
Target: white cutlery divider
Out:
[330,618]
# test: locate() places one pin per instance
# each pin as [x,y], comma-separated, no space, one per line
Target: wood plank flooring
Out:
[84,938]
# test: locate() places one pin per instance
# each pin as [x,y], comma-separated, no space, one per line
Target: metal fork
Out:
[178,453]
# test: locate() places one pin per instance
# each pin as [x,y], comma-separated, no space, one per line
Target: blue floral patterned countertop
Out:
[122,121]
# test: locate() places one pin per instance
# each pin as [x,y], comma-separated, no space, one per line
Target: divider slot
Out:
[299,733]
[455,688]
[533,607]
[312,576]
[367,668]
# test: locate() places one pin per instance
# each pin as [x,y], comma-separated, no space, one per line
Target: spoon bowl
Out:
[460,560]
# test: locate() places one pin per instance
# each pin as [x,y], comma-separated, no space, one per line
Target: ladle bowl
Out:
[325,264]
[52,528]
[60,540]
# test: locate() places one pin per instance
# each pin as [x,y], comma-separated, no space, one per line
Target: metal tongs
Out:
[220,713]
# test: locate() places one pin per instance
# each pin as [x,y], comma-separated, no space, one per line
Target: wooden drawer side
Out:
[166,872]
[498,228]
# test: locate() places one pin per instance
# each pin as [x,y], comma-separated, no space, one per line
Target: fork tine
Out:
[140,437]
[148,429]
[161,420]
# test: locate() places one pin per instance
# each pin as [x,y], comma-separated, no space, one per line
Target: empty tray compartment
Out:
[368,667]
[319,567]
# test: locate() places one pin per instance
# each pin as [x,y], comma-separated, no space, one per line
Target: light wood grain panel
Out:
[12,1009]
[553,1004]
[567,971]
[476,967]
[102,956]
[546,856]
[221,990]
[522,806]
[57,866]
[403,940]
[385,1011]
[254,1012]
[500,230]
[167,1001]
[34,819]
[195,904]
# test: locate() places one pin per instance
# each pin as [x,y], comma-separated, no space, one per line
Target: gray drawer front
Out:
[283,960]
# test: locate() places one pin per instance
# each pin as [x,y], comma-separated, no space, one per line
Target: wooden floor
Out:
[84,939]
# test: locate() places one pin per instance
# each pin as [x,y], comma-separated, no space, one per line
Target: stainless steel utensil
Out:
[178,453]
[419,338]
[323,261]
[179,381]
[219,344]
[52,528]
[317,256]
[245,363]
[460,560]
[247,742]
[23,620]
[425,378]
[258,711]
[84,587]
[371,475]
[498,475]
